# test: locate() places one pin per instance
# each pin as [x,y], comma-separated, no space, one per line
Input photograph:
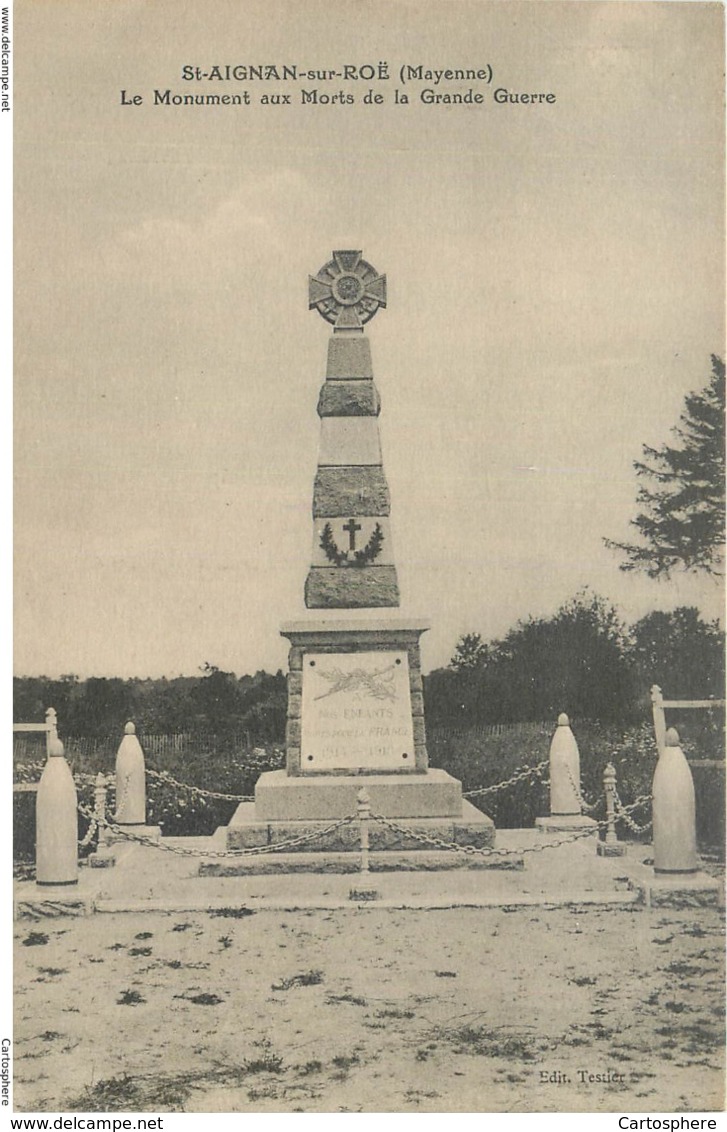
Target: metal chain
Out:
[164,776]
[235,853]
[475,851]
[632,824]
[94,826]
[89,835]
[519,776]
[589,807]
[624,812]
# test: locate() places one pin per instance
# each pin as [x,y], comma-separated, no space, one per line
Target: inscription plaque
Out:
[356,712]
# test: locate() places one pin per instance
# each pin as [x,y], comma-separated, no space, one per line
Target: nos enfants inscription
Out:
[356,712]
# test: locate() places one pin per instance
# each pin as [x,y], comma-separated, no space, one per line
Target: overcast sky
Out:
[555,283]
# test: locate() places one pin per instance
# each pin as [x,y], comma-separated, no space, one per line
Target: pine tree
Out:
[682,516]
[470,652]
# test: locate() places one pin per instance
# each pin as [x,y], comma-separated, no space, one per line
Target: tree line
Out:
[583,660]
[214,702]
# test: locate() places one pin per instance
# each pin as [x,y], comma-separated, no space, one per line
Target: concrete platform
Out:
[155,880]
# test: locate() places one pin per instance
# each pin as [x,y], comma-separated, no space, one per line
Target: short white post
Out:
[610,846]
[565,771]
[609,789]
[130,780]
[51,728]
[657,710]
[56,821]
[675,824]
[99,807]
[364,814]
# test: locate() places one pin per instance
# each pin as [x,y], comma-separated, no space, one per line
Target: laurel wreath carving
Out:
[362,557]
[375,684]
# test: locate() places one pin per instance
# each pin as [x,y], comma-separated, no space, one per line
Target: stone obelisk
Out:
[355,696]
[353,560]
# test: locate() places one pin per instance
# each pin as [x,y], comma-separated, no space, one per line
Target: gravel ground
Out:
[368,1009]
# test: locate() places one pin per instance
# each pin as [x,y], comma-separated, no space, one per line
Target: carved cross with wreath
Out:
[364,556]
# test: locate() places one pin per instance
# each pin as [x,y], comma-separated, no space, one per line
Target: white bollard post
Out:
[99,807]
[130,780]
[364,890]
[675,824]
[56,821]
[610,846]
[565,771]
[565,786]
[364,813]
[609,789]
[51,724]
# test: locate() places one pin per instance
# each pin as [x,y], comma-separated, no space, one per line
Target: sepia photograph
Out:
[369,503]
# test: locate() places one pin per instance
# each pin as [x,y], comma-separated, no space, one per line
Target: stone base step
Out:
[326,797]
[471,827]
[390,861]
[679,890]
[567,823]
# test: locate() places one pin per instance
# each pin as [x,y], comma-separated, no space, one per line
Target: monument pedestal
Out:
[356,719]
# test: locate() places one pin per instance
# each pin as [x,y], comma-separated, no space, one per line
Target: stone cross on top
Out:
[347,291]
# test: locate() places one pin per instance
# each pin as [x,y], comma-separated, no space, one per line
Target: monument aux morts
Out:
[355,703]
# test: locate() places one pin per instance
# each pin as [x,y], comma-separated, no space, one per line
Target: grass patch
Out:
[268,1062]
[354,999]
[306,979]
[682,969]
[393,1012]
[310,1067]
[133,1094]
[130,998]
[233,913]
[483,1042]
[269,1092]
[346,1061]
[416,1096]
[35,939]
